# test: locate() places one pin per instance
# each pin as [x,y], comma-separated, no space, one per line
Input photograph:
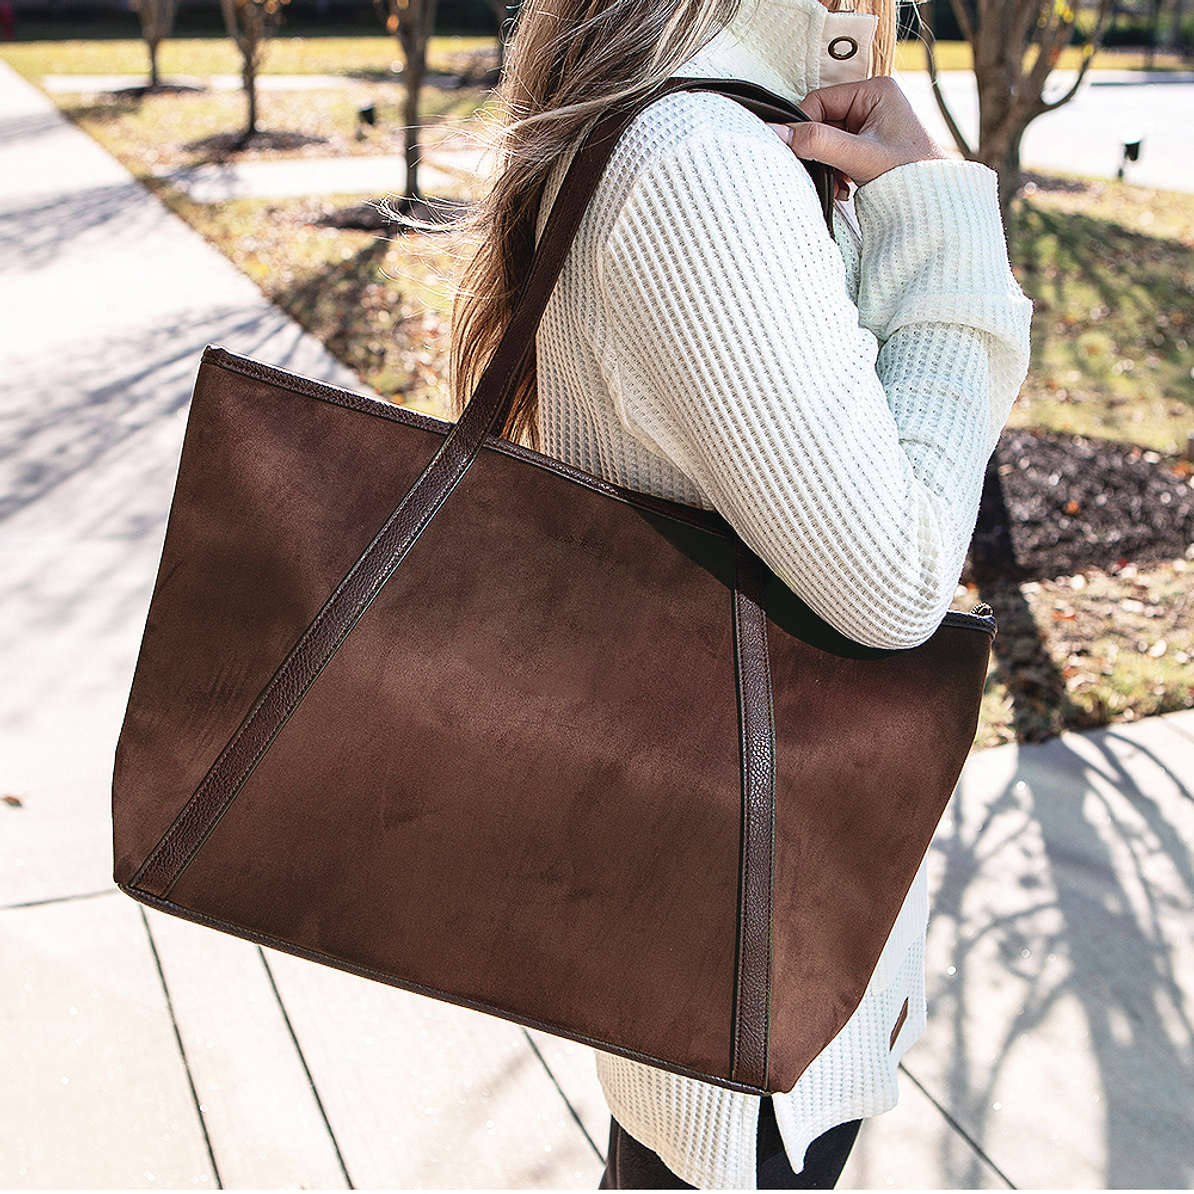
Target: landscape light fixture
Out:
[1131,154]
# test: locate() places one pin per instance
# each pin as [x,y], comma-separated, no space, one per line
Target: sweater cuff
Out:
[885,200]
[933,248]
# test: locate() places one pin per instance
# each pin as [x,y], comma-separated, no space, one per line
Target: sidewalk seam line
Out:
[560,1090]
[957,1127]
[327,1123]
[66,899]
[182,1052]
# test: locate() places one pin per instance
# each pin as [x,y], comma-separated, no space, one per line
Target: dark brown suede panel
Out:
[536,818]
[530,819]
[261,528]
[868,752]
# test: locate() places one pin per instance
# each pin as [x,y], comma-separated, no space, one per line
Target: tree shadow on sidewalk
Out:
[1064,1026]
[133,384]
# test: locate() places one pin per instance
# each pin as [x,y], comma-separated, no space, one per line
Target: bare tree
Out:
[157,21]
[1016,43]
[250,24]
[412,22]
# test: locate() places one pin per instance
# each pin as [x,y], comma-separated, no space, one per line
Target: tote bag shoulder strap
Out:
[489,403]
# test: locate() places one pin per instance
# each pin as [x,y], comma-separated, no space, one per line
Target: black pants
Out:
[630,1165]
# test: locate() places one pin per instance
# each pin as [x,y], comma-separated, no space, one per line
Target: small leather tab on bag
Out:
[895,1032]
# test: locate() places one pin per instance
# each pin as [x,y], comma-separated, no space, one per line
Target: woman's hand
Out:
[861,129]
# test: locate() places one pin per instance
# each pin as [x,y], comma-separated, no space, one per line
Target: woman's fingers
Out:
[846,104]
[841,184]
[850,155]
[858,157]
[862,129]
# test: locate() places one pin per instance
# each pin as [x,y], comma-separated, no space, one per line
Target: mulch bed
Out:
[141,90]
[1075,503]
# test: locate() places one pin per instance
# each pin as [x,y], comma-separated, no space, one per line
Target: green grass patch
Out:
[1110,268]
[286,54]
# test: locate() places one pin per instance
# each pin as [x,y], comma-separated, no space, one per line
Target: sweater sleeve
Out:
[846,443]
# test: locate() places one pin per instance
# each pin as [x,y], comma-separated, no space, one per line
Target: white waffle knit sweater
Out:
[836,399]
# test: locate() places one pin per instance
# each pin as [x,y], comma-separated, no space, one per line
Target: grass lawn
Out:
[1110,266]
[163,131]
[1111,270]
[286,54]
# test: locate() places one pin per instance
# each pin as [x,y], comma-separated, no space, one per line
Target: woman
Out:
[836,398]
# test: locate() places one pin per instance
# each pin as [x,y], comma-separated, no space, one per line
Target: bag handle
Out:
[572,198]
[377,563]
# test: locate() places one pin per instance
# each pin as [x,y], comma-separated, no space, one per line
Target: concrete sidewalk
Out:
[440,173]
[140,1050]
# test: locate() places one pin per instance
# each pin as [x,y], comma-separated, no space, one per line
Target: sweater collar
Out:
[790,47]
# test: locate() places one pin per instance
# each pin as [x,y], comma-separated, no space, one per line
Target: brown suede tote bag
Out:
[430,707]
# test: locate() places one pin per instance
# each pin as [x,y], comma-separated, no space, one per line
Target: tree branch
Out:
[1028,13]
[929,38]
[963,18]
[1092,48]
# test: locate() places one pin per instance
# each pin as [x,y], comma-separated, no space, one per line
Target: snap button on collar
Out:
[842,48]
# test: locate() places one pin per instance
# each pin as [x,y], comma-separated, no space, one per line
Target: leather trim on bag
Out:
[325,959]
[756,725]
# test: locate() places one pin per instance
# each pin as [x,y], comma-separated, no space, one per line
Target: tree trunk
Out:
[153,65]
[251,94]
[414,32]
[415,70]
[1010,174]
[1001,125]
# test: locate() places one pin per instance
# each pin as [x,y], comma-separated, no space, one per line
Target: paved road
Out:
[140,1050]
[1086,136]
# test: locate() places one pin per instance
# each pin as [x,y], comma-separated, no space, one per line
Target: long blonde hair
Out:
[567,61]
